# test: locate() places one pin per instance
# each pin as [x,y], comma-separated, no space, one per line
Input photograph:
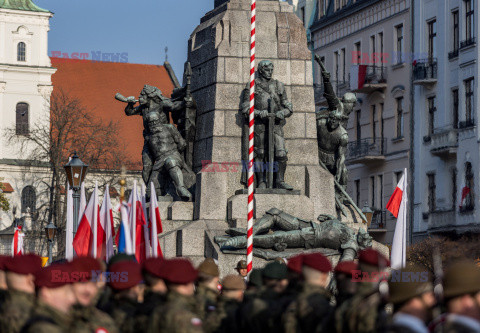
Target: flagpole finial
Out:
[122,182]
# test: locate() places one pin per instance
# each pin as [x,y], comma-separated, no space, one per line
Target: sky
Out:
[140,28]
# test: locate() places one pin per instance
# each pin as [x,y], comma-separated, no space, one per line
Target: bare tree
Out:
[70,127]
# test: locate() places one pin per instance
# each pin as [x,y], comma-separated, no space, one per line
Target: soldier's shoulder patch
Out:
[196,322]
[101,330]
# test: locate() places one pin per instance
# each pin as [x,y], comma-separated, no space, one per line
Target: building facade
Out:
[446,145]
[365,45]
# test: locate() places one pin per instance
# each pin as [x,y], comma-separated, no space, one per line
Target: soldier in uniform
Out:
[3,280]
[207,292]
[155,291]
[20,299]
[242,269]
[345,287]
[270,101]
[461,288]
[311,311]
[124,279]
[362,311]
[225,318]
[55,300]
[85,316]
[178,314]
[412,300]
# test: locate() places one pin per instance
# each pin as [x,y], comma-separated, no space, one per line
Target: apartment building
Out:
[446,145]
[365,45]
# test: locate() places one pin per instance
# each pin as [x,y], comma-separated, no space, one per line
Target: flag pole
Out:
[95,220]
[251,121]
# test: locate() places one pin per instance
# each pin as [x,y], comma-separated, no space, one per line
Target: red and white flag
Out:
[465,193]
[155,224]
[397,205]
[137,221]
[85,238]
[17,242]
[358,73]
[69,227]
[106,221]
[83,202]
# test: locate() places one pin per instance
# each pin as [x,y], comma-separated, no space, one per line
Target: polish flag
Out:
[146,227]
[85,238]
[358,73]
[465,192]
[69,227]
[155,223]
[17,242]
[83,202]
[137,221]
[106,221]
[397,205]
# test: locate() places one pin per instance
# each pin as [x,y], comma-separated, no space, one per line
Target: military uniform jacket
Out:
[177,315]
[122,310]
[225,318]
[46,319]
[90,319]
[206,301]
[15,311]
[310,312]
[362,314]
[151,301]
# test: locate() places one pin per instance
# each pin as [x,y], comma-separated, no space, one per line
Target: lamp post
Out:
[76,171]
[50,231]
[368,212]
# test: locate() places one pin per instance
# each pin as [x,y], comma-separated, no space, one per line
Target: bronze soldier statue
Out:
[271,110]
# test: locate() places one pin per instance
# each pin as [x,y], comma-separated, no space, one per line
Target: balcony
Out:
[425,72]
[366,151]
[444,141]
[467,42]
[379,222]
[375,79]
[466,124]
[453,54]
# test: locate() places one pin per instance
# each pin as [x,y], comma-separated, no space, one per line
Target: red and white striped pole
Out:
[250,141]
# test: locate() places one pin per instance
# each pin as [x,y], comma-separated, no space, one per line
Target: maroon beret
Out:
[318,262]
[294,264]
[373,257]
[3,260]
[155,267]
[23,264]
[125,275]
[54,276]
[180,271]
[346,267]
[84,268]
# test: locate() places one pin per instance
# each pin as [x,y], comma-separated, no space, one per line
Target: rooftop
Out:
[27,5]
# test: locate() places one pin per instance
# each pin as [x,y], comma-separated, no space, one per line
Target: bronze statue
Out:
[271,110]
[277,231]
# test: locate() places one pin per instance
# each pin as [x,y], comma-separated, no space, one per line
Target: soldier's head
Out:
[275,276]
[265,69]
[242,268]
[343,276]
[180,276]
[413,296]
[334,118]
[20,272]
[316,269]
[461,289]
[150,93]
[233,286]
[154,274]
[370,260]
[86,288]
[125,278]
[54,286]
[349,100]
[208,274]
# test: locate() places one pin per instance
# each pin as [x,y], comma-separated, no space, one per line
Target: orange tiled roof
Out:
[95,85]
[6,187]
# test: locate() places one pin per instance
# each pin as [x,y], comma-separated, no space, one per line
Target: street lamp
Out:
[50,231]
[368,212]
[76,171]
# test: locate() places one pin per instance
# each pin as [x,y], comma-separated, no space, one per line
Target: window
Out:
[469,23]
[399,43]
[29,199]
[455,107]
[374,122]
[382,127]
[336,59]
[398,176]
[373,49]
[431,115]
[22,119]
[454,188]
[302,12]
[380,40]
[21,52]
[431,192]
[322,7]
[357,192]
[372,191]
[469,203]
[380,192]
[432,39]
[359,126]
[456,31]
[399,117]
[358,52]
[469,101]
[342,59]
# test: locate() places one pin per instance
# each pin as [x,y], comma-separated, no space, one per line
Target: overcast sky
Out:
[140,28]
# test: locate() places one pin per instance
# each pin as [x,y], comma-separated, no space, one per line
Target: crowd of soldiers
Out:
[304,294]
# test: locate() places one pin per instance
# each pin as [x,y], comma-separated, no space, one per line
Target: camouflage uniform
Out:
[206,299]
[151,301]
[46,319]
[225,318]
[361,315]
[177,315]
[310,312]
[89,319]
[122,310]
[16,310]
